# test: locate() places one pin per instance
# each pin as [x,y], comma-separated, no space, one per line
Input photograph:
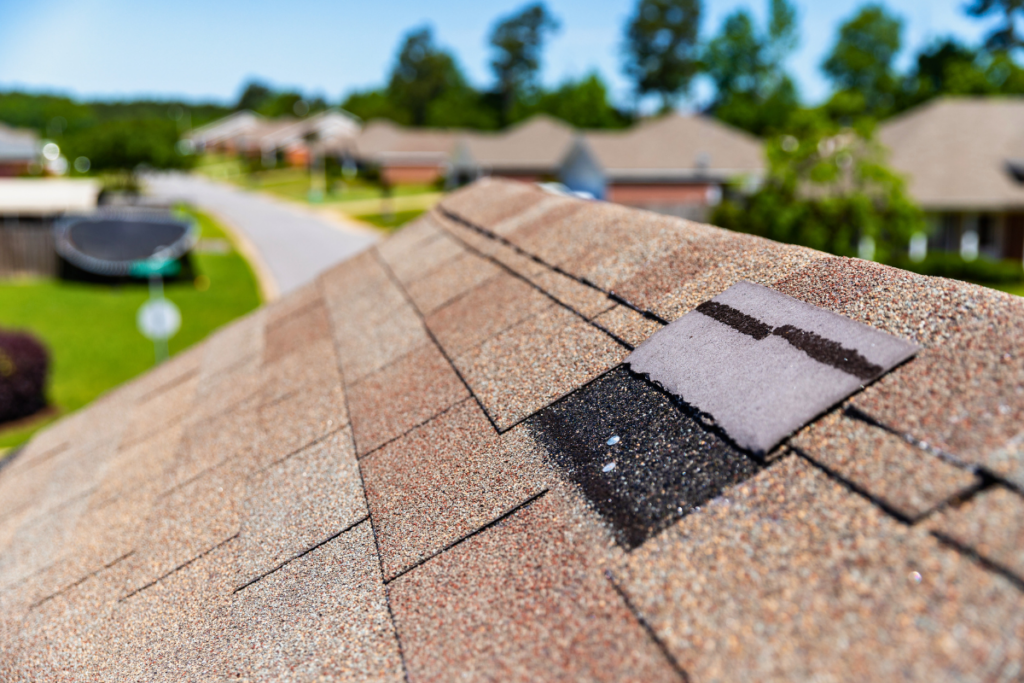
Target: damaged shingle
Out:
[763,364]
[640,459]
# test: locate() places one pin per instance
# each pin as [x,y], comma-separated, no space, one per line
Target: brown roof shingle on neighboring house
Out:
[536,146]
[674,148]
[956,152]
[384,142]
[433,464]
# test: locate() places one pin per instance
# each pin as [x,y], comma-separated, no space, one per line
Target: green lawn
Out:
[1017,288]
[395,221]
[90,329]
[293,183]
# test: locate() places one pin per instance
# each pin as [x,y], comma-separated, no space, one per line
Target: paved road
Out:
[295,244]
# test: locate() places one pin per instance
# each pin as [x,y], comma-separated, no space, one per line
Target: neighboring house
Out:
[963,159]
[675,165]
[533,150]
[293,138]
[250,134]
[223,135]
[403,155]
[19,150]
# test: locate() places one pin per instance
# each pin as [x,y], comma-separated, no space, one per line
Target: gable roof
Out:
[537,145]
[385,142]
[403,470]
[229,127]
[674,147]
[329,127]
[955,152]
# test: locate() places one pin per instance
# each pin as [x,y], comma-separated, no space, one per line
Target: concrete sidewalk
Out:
[293,244]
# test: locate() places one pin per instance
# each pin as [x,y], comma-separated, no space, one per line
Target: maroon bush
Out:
[24,363]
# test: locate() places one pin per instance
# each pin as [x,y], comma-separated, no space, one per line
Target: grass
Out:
[90,329]
[392,222]
[1013,288]
[293,183]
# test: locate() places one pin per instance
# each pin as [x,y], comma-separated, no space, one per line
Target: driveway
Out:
[294,244]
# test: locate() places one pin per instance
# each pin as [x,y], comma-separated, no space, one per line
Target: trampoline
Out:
[125,242]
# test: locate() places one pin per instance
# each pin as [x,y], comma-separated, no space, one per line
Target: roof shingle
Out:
[364,462]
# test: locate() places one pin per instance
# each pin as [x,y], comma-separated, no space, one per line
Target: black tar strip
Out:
[817,347]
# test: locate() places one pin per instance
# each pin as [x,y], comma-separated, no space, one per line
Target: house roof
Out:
[433,464]
[674,147]
[955,152]
[536,145]
[384,142]
[18,145]
[329,127]
[229,127]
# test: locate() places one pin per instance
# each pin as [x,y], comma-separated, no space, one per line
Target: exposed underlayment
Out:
[432,464]
[639,458]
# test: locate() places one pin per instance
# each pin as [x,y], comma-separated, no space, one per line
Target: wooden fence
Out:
[27,249]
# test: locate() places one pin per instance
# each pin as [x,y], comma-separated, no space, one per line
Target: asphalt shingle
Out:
[467,537]
[521,601]
[906,478]
[789,576]
[401,396]
[763,364]
[526,367]
[298,503]
[443,481]
[991,524]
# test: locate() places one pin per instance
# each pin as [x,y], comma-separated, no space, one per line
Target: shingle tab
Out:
[764,364]
[521,601]
[991,524]
[298,503]
[322,617]
[403,395]
[484,312]
[539,360]
[443,481]
[904,477]
[789,576]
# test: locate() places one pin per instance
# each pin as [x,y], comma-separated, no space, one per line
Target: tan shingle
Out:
[954,152]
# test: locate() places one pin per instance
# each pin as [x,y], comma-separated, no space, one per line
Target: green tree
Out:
[374,104]
[752,89]
[1005,35]
[463,108]
[518,41]
[661,48]
[827,187]
[583,103]
[423,72]
[282,104]
[254,95]
[862,58]
[126,146]
[948,67]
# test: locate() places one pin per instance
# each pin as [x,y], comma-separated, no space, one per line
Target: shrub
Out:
[24,363]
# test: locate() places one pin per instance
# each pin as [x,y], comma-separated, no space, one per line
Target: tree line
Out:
[664,53]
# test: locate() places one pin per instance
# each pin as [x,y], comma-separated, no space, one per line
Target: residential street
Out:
[294,245]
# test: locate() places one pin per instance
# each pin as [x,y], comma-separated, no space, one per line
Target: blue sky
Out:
[205,49]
